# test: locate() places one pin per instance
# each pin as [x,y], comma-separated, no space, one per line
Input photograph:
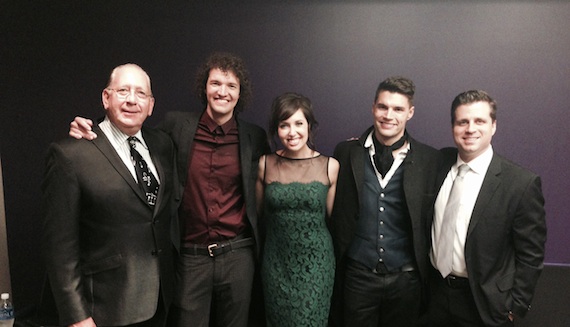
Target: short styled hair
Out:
[473,96]
[397,84]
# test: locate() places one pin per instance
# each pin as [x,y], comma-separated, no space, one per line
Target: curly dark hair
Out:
[226,62]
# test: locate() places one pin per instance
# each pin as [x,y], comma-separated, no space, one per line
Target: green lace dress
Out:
[298,260]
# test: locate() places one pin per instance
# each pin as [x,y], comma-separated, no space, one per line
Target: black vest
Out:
[383,231]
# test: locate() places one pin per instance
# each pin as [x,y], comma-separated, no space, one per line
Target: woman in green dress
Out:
[295,192]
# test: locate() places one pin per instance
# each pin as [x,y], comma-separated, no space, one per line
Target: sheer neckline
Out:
[289,158]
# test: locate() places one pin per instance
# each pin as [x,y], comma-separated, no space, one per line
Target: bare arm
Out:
[333,169]
[81,128]
[260,186]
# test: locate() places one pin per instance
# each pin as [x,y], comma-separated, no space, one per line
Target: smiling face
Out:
[473,129]
[293,133]
[222,95]
[391,112]
[128,112]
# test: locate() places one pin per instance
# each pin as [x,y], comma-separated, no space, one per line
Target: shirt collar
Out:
[478,165]
[369,144]
[211,125]
[117,134]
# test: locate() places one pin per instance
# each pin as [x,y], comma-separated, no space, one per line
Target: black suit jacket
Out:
[181,126]
[504,249]
[107,252]
[420,168]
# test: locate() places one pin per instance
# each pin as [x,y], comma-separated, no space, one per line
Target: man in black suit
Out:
[106,239]
[489,226]
[218,156]
[378,223]
[217,162]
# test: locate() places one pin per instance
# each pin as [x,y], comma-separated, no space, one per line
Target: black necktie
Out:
[383,158]
[146,179]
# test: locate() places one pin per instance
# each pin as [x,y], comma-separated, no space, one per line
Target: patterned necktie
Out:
[146,179]
[446,239]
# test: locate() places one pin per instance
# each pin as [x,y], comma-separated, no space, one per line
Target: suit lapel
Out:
[184,140]
[103,144]
[413,191]
[487,192]
[357,155]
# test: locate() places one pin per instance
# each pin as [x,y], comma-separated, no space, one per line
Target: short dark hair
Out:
[473,96]
[397,84]
[287,104]
[226,62]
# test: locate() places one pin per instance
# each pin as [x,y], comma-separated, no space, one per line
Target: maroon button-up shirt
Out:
[213,208]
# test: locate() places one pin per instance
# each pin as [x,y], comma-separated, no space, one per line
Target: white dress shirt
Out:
[398,159]
[120,143]
[473,180]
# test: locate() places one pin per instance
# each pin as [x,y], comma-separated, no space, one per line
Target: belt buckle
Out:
[381,269]
[452,281]
[211,249]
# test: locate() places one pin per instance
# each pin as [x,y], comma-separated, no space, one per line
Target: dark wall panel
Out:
[55,58]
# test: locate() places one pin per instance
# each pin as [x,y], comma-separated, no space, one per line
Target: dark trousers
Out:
[452,305]
[158,320]
[214,288]
[377,299]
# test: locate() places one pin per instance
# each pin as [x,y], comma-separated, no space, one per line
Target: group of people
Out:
[198,223]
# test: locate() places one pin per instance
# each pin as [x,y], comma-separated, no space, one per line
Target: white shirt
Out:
[473,180]
[120,143]
[398,159]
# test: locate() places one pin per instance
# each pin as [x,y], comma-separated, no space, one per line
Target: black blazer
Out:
[107,252]
[420,168]
[181,126]
[504,249]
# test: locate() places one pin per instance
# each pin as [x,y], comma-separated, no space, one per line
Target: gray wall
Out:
[56,56]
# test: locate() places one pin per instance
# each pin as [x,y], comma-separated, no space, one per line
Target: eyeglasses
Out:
[124,93]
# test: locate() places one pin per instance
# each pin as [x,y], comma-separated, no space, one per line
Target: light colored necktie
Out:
[447,235]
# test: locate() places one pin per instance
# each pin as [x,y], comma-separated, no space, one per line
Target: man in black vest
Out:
[385,183]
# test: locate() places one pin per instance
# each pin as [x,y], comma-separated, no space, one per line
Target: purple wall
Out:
[55,59]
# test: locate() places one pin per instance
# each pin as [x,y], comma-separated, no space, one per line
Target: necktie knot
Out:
[383,158]
[462,170]
[133,141]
